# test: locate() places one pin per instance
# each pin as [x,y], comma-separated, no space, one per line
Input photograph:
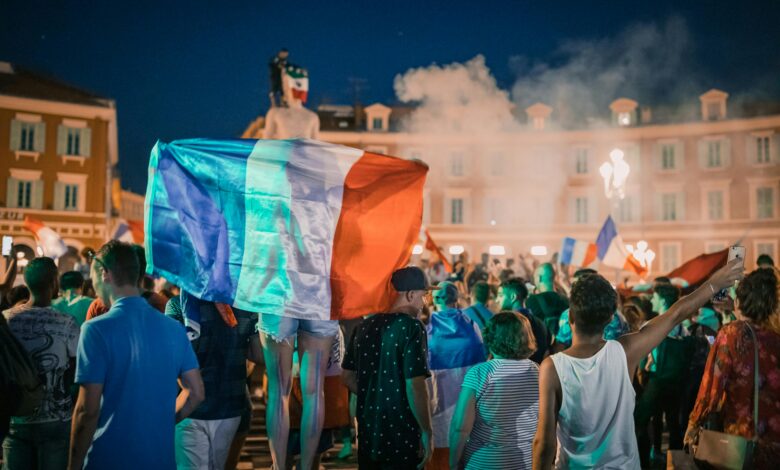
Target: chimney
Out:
[646,115]
[538,114]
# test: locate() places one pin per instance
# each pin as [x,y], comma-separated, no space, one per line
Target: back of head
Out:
[545,274]
[41,276]
[71,280]
[758,294]
[121,260]
[17,295]
[765,261]
[516,286]
[582,272]
[481,292]
[509,336]
[668,293]
[446,295]
[141,254]
[591,304]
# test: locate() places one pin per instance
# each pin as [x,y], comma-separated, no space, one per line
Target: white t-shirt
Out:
[596,420]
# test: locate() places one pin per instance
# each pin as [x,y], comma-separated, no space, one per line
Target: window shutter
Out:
[681,206]
[703,145]
[62,140]
[659,206]
[11,192]
[16,134]
[40,137]
[659,156]
[725,152]
[751,150]
[679,155]
[86,142]
[36,199]
[59,196]
[774,148]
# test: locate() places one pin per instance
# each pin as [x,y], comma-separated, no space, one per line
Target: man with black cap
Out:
[386,365]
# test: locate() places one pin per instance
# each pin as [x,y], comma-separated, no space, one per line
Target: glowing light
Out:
[492,222]
[539,250]
[497,250]
[615,173]
[417,250]
[457,249]
[642,253]
[40,251]
[624,119]
[19,255]
[641,245]
[22,263]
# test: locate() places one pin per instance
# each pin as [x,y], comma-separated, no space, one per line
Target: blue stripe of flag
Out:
[606,235]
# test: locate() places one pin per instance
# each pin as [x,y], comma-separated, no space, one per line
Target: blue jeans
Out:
[285,328]
[41,446]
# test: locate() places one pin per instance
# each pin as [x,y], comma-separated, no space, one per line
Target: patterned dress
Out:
[727,386]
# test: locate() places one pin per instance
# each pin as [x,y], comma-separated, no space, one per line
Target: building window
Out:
[765,203]
[581,161]
[670,257]
[624,119]
[456,211]
[713,111]
[766,247]
[24,193]
[715,205]
[668,157]
[714,247]
[71,197]
[763,154]
[581,210]
[497,164]
[28,136]
[377,124]
[626,210]
[713,154]
[456,164]
[74,141]
[668,207]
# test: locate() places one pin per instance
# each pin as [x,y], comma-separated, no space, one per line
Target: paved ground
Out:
[255,453]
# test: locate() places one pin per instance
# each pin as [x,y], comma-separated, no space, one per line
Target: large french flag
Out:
[298,228]
[578,253]
[612,251]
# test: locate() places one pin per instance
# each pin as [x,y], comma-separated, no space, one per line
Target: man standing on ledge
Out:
[127,364]
[386,366]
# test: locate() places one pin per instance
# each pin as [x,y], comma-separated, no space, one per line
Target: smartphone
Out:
[735,252]
[8,243]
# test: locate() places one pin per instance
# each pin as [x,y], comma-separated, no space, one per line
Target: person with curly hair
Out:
[495,419]
[726,390]
[586,399]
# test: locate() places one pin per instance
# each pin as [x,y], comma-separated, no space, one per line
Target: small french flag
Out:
[48,240]
[578,253]
[612,251]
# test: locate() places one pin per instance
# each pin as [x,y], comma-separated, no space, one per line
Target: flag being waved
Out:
[578,253]
[297,228]
[431,245]
[129,231]
[612,251]
[50,242]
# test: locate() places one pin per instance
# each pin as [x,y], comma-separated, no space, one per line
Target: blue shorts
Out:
[284,328]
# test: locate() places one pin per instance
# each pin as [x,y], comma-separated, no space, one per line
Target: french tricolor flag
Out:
[298,228]
[47,239]
[612,251]
[578,253]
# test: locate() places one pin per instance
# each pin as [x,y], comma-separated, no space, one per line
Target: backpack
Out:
[18,374]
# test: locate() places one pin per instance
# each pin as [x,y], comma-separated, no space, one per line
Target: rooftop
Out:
[17,81]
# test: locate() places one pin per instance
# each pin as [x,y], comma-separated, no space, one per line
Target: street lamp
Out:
[642,253]
[615,173]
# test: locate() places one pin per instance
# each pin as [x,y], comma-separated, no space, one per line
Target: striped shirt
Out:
[507,411]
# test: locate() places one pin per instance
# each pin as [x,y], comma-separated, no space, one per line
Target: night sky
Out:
[199,69]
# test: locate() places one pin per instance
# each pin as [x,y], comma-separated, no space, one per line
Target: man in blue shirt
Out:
[128,361]
[511,297]
[478,311]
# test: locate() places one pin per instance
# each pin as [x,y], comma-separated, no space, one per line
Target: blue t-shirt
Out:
[137,354]
[479,314]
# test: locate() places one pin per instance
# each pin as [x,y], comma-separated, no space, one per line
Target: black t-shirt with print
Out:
[387,349]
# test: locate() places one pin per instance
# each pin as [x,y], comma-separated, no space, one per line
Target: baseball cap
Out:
[410,278]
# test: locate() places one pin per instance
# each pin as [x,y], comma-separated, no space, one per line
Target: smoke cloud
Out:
[462,98]
[650,63]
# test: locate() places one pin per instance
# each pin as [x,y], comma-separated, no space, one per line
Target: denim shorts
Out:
[283,328]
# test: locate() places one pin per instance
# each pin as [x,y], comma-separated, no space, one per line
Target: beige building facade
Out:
[694,187]
[57,147]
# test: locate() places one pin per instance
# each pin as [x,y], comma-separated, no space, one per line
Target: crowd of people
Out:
[487,365]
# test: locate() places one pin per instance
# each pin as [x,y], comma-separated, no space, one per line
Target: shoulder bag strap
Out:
[755,381]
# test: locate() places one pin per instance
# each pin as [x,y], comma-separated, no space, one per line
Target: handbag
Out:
[722,451]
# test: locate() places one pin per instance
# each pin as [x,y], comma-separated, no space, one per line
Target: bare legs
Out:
[278,363]
[314,352]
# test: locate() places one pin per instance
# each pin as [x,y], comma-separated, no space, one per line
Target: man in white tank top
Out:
[586,401]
